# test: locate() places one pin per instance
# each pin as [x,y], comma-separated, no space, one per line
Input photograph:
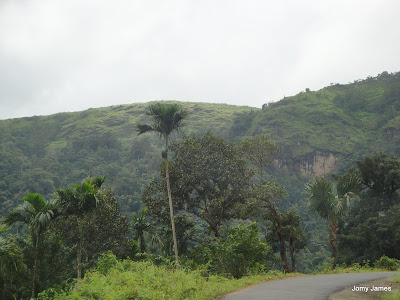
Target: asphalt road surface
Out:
[317,287]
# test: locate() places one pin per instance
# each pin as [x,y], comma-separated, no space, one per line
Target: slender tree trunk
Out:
[292,254]
[282,253]
[79,257]
[35,265]
[215,229]
[277,221]
[332,243]
[171,208]
[79,250]
[281,241]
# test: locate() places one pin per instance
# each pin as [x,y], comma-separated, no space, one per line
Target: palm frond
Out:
[348,184]
[18,214]
[322,198]
[36,201]
[143,128]
[165,119]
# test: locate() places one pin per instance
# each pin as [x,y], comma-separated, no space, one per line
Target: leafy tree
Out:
[259,150]
[235,253]
[380,176]
[330,202]
[372,227]
[104,229]
[139,225]
[291,233]
[11,263]
[165,120]
[77,203]
[266,195]
[211,180]
[36,213]
[295,236]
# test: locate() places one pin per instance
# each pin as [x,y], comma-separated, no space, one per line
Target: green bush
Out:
[387,263]
[129,280]
[240,253]
[106,262]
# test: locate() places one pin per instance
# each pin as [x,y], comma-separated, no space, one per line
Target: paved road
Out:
[317,287]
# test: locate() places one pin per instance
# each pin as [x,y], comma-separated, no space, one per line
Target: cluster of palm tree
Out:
[37,213]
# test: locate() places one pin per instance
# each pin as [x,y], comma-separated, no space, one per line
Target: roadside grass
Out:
[395,293]
[144,280]
[127,279]
[326,268]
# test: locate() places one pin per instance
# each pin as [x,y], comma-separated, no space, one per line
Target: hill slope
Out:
[318,133]
[39,154]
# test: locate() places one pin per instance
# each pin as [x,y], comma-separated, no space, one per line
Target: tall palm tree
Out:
[77,203]
[139,225]
[36,213]
[165,119]
[330,202]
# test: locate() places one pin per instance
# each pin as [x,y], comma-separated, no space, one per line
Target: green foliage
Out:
[139,225]
[331,202]
[103,229]
[381,176]
[11,265]
[291,233]
[143,280]
[36,213]
[209,180]
[165,119]
[82,198]
[41,154]
[372,226]
[106,262]
[238,253]
[390,264]
[241,251]
[259,150]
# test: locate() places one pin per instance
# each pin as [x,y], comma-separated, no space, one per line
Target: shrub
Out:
[106,262]
[240,252]
[387,263]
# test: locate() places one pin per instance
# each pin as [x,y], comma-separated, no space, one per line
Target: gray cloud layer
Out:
[71,55]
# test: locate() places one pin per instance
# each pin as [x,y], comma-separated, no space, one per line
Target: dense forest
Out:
[78,190]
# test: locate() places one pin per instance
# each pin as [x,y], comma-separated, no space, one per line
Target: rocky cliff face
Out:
[318,165]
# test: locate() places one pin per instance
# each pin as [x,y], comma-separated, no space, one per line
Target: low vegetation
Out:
[127,279]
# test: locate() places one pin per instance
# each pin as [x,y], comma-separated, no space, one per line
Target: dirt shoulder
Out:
[359,291]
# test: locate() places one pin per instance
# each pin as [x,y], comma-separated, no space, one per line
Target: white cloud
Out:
[72,55]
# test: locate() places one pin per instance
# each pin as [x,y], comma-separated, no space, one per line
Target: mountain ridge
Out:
[318,132]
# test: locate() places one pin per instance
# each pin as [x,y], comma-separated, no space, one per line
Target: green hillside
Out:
[39,154]
[318,133]
[348,121]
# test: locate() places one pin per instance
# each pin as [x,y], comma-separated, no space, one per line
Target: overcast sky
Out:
[72,55]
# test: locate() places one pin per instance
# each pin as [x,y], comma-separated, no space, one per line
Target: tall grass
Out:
[144,280]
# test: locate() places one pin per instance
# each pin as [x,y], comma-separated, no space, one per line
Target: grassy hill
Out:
[348,121]
[318,133]
[39,154]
